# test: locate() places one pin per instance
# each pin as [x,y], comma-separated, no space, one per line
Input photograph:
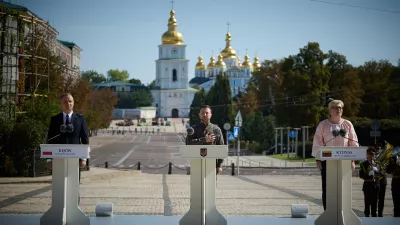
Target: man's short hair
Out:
[371,150]
[65,94]
[205,107]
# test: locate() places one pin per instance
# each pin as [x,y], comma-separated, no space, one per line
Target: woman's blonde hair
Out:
[335,103]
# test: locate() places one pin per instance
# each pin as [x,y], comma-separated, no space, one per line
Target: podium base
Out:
[330,217]
[194,217]
[65,188]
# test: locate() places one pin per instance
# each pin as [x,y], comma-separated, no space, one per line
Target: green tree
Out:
[305,77]
[198,100]
[394,92]
[93,77]
[344,83]
[138,98]
[375,82]
[117,75]
[135,81]
[220,100]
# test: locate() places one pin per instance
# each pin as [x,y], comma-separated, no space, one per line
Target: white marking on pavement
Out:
[120,166]
[133,139]
[148,140]
[126,156]
[131,166]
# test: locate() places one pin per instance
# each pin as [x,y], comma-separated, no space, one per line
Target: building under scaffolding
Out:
[24,60]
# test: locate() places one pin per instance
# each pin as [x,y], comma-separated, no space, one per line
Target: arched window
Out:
[174,75]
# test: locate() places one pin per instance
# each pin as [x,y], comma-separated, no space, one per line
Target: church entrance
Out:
[175,113]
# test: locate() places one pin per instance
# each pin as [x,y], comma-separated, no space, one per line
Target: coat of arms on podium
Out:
[203,152]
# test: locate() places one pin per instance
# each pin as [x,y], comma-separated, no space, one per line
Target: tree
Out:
[117,75]
[93,77]
[138,98]
[267,84]
[344,83]
[101,107]
[198,100]
[248,103]
[220,100]
[135,81]
[305,77]
[375,76]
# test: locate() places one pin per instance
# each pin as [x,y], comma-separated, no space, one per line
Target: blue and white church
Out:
[229,63]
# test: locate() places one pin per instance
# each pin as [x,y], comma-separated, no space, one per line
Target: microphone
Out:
[53,137]
[190,131]
[335,133]
[343,133]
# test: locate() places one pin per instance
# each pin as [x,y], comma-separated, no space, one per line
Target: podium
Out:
[203,210]
[338,184]
[64,208]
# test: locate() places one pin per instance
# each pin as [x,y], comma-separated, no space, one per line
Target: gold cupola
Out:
[172,36]
[200,65]
[246,63]
[211,65]
[256,64]
[228,51]
[239,62]
[220,63]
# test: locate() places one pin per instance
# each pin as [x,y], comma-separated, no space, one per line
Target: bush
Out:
[308,146]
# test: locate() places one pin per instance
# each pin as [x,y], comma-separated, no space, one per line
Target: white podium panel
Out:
[203,210]
[64,151]
[338,184]
[64,208]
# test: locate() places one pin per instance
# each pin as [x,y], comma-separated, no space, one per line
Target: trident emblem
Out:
[203,152]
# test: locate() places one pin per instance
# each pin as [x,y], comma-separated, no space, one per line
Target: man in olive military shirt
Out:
[206,133]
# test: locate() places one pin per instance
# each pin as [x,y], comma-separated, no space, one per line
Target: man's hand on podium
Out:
[219,169]
[210,138]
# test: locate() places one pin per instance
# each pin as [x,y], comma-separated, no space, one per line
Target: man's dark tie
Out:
[66,119]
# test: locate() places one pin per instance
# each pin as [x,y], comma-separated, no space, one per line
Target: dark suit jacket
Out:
[80,135]
[198,137]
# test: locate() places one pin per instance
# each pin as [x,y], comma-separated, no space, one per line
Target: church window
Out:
[174,75]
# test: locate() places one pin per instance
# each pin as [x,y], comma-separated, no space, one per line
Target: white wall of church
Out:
[165,73]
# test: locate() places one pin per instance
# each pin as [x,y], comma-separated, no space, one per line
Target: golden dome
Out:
[211,65]
[228,51]
[172,36]
[239,62]
[256,64]
[220,63]
[200,65]
[246,63]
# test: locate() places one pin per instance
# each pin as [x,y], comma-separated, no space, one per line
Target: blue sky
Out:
[125,34]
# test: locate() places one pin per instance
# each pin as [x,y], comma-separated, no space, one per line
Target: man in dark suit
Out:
[207,133]
[68,127]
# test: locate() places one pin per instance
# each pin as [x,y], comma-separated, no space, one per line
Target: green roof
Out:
[176,89]
[116,84]
[68,44]
[148,108]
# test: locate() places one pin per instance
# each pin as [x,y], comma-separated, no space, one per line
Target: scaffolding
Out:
[26,45]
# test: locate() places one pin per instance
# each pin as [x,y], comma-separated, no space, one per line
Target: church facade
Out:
[172,94]
[228,63]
